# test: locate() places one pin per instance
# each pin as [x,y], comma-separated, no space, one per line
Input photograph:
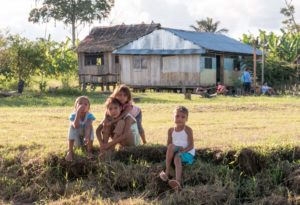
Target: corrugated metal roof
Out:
[214,42]
[159,51]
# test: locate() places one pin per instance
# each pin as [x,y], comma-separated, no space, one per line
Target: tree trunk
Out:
[73,34]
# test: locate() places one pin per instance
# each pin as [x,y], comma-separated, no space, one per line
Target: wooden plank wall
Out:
[99,73]
[162,71]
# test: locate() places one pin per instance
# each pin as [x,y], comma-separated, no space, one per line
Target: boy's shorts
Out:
[186,157]
[77,134]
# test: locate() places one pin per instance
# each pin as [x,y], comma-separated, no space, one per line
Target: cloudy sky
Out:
[239,16]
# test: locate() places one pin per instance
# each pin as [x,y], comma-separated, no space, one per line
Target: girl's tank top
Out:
[181,139]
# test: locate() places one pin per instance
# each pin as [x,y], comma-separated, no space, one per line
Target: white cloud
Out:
[239,16]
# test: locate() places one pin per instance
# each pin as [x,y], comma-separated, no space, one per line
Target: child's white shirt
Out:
[181,139]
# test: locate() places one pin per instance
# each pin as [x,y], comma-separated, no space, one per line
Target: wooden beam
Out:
[254,65]
[222,68]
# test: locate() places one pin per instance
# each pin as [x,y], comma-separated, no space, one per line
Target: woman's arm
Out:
[190,139]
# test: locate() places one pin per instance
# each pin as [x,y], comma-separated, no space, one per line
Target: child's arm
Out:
[190,139]
[123,114]
[170,136]
[125,134]
[88,126]
[98,132]
[87,136]
[76,121]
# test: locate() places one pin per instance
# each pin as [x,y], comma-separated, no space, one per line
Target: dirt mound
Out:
[207,194]
[296,153]
[249,161]
[273,200]
[153,154]
[216,177]
[293,180]
[75,169]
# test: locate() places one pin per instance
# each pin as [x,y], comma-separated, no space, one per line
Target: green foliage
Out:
[280,52]
[21,59]
[289,22]
[24,58]
[208,25]
[62,60]
[72,12]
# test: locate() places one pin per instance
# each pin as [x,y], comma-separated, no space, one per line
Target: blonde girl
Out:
[81,128]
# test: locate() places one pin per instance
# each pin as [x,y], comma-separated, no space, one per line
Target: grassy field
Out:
[219,122]
[34,127]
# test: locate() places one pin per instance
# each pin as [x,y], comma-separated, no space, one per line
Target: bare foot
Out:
[175,185]
[69,156]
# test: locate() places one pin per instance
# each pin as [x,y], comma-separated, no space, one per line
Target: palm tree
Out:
[207,25]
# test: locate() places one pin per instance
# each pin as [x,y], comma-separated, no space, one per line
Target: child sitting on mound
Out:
[125,132]
[81,128]
[123,94]
[180,147]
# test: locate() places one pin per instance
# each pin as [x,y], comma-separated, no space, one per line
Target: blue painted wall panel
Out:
[228,63]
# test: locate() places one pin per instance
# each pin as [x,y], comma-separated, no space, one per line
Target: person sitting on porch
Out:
[204,92]
[267,90]
[221,89]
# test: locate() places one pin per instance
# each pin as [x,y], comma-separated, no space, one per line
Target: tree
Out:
[60,61]
[290,21]
[208,25]
[4,71]
[71,12]
[281,51]
[23,59]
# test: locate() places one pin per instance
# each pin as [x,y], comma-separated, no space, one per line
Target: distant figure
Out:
[180,147]
[236,81]
[267,90]
[246,78]
[204,92]
[221,89]
[21,84]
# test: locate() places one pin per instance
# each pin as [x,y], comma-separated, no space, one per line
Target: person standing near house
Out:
[236,81]
[246,77]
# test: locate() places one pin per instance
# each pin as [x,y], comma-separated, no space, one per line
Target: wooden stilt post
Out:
[254,65]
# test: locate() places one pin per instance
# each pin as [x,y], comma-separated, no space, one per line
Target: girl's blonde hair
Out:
[182,109]
[122,88]
[112,100]
[82,98]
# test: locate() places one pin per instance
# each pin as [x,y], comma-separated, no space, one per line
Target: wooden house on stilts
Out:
[97,65]
[172,59]
[149,56]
